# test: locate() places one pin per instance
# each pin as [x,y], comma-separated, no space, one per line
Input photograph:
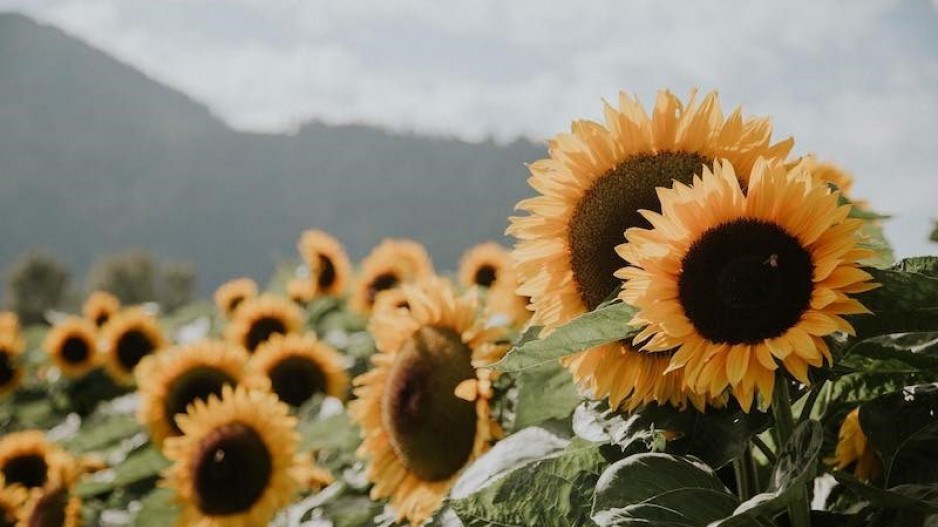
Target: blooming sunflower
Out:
[390,301]
[424,407]
[100,306]
[738,283]
[52,506]
[483,265]
[231,294]
[28,460]
[854,449]
[259,318]
[389,265]
[299,367]
[171,381]
[327,261]
[235,464]
[503,300]
[72,345]
[11,372]
[127,338]
[301,290]
[592,187]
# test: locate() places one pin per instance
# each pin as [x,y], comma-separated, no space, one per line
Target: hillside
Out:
[96,157]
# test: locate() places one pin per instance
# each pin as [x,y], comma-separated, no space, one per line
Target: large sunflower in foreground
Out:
[28,460]
[299,367]
[854,449]
[424,407]
[127,338]
[235,464]
[740,283]
[52,506]
[389,265]
[232,293]
[72,346]
[100,306]
[329,266]
[171,381]
[260,318]
[592,187]
[484,265]
[11,371]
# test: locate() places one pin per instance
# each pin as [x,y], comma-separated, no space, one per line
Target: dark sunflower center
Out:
[262,329]
[75,350]
[610,207]
[745,281]
[431,429]
[29,470]
[382,282]
[326,272]
[101,319]
[50,510]
[234,303]
[196,384]
[485,275]
[231,470]
[8,515]
[132,347]
[296,379]
[7,370]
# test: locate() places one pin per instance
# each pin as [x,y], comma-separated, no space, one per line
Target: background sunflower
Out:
[325,257]
[72,345]
[257,319]
[232,293]
[126,339]
[392,263]
[301,366]
[100,306]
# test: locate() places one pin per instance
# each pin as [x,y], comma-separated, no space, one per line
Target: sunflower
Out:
[236,462]
[592,187]
[728,285]
[9,324]
[127,338]
[11,372]
[301,290]
[389,265]
[231,294]
[424,407]
[326,260]
[72,345]
[390,301]
[260,318]
[300,366]
[12,499]
[28,460]
[53,506]
[504,301]
[171,381]
[854,449]
[483,265]
[100,306]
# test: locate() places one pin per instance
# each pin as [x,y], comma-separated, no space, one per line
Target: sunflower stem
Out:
[764,448]
[741,468]
[809,403]
[799,512]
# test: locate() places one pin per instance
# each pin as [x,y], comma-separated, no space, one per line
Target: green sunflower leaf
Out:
[660,489]
[554,491]
[157,509]
[922,498]
[544,392]
[912,353]
[905,302]
[608,323]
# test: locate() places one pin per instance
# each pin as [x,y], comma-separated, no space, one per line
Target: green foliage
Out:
[178,285]
[902,428]
[544,392]
[906,301]
[36,283]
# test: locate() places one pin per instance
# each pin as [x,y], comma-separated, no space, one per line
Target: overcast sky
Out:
[855,81]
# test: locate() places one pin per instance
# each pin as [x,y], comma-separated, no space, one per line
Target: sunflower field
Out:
[693,328]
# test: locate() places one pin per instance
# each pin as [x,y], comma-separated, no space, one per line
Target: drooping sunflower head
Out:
[484,265]
[424,407]
[30,461]
[730,285]
[854,450]
[260,318]
[389,265]
[100,306]
[127,338]
[329,265]
[301,290]
[11,371]
[173,380]
[51,506]
[236,462]
[72,346]
[299,367]
[232,293]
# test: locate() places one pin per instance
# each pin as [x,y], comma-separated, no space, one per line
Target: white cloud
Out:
[854,81]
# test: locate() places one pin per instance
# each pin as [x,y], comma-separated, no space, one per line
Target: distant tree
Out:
[36,283]
[934,232]
[130,275]
[178,285]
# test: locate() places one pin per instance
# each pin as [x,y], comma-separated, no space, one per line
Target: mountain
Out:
[95,157]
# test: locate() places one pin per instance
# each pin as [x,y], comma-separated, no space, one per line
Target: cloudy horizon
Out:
[854,82]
